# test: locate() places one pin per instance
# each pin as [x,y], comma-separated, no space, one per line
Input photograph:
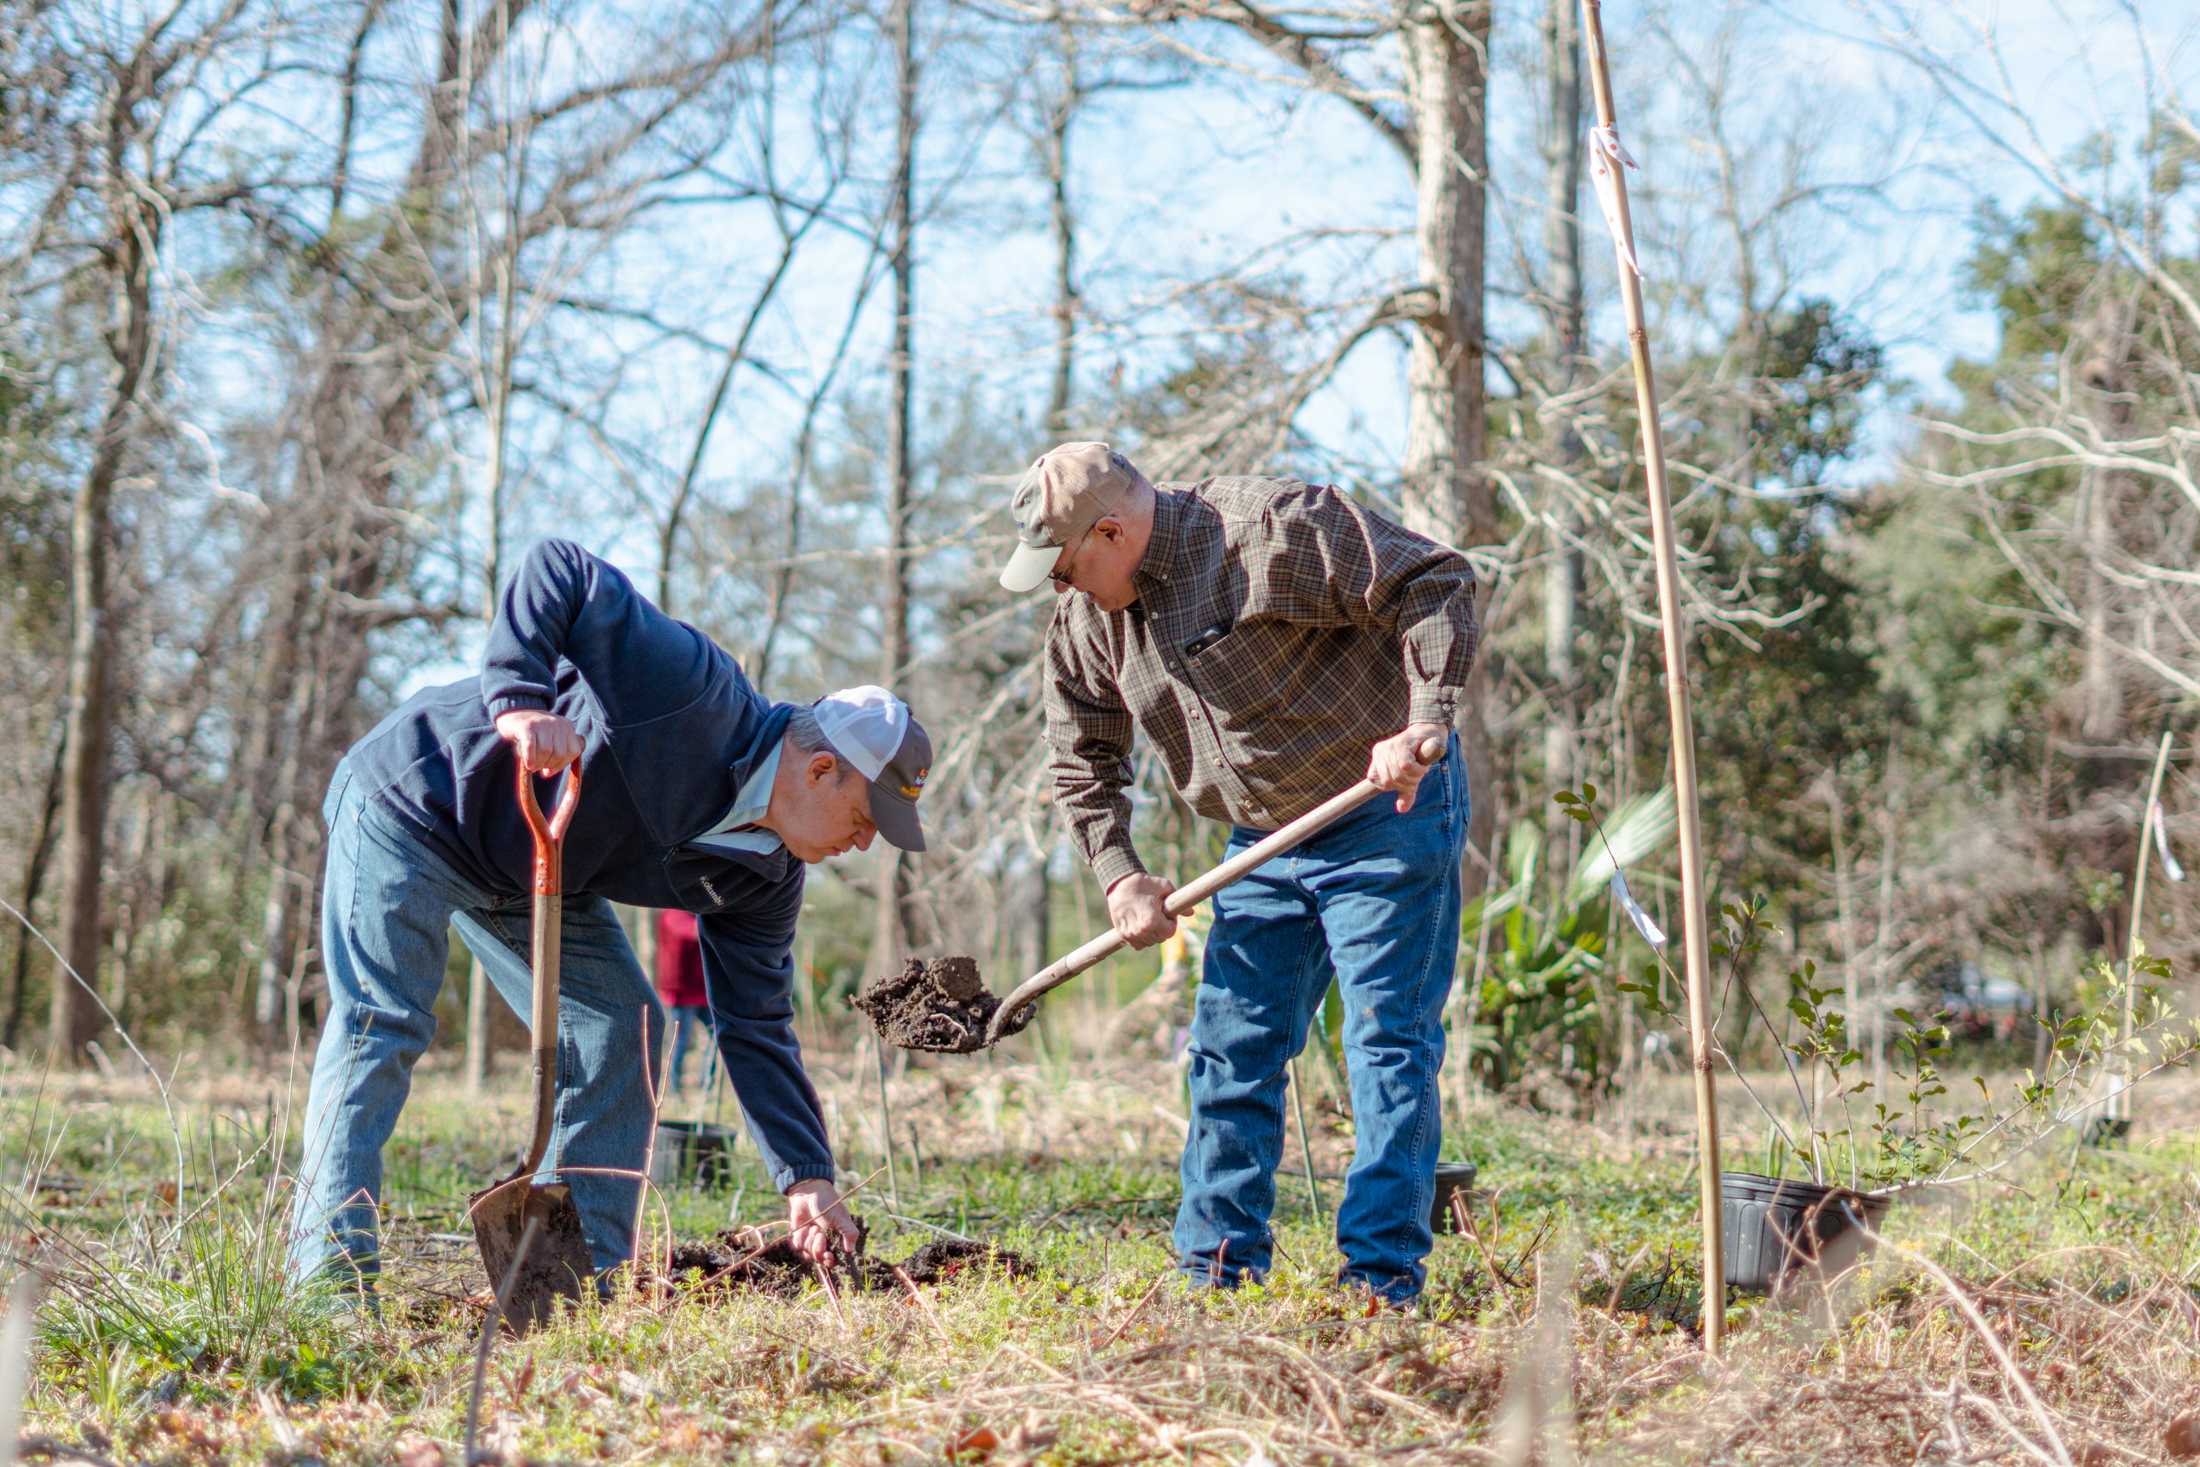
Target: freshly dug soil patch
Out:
[732,1262]
[939,1005]
[941,1262]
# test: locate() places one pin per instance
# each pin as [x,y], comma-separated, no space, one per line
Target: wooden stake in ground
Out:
[1607,159]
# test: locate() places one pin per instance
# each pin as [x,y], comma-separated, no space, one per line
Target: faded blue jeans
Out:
[688,1020]
[386,909]
[1373,902]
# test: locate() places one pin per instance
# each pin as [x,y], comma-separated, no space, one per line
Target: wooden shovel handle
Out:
[547,938]
[1197,890]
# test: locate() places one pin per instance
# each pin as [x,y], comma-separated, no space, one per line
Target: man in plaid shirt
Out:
[1274,642]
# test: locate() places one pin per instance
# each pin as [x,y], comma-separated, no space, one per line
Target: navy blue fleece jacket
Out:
[670,728]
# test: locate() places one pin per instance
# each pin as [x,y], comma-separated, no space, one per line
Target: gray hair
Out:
[807,736]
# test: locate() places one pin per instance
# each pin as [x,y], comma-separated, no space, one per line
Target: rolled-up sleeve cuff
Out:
[1432,705]
[808,1171]
[1113,863]
[505,703]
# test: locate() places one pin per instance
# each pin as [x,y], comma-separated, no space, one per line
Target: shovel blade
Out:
[557,1265]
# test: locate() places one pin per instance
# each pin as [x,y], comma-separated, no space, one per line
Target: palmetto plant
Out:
[1543,1002]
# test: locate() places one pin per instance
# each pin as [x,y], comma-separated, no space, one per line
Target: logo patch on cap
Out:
[911,791]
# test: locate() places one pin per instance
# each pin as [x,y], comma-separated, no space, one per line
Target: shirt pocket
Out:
[1243,676]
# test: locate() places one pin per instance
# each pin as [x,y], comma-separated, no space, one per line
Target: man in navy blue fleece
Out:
[697,792]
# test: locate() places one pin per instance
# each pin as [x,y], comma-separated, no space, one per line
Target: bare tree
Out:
[1565,324]
[442,317]
[142,106]
[892,938]
[1440,134]
[2078,455]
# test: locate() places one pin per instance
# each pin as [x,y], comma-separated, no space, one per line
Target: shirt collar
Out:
[1162,562]
[749,807]
[755,798]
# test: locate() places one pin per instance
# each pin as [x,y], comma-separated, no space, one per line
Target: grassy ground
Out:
[2047,1316]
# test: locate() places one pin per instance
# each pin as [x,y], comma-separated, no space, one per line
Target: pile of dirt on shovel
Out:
[939,1005]
[735,1262]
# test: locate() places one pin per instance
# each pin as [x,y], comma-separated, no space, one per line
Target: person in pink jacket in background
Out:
[680,985]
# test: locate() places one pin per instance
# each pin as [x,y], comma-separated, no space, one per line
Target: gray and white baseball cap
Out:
[876,732]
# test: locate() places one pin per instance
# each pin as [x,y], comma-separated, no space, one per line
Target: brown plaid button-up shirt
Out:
[1280,630]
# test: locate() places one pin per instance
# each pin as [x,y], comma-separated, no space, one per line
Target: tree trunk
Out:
[891,939]
[135,927]
[278,938]
[74,1018]
[1036,930]
[34,881]
[479,1017]
[2107,404]
[1564,323]
[287,904]
[1447,495]
[492,570]
[1059,118]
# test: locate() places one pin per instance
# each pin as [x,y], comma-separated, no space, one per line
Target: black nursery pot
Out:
[2107,1130]
[1453,1179]
[695,1149]
[1776,1230]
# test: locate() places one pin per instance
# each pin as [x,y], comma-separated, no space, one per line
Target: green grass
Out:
[167,1332]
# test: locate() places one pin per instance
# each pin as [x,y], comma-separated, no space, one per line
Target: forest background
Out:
[314,312]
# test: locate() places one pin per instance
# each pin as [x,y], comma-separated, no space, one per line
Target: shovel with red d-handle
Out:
[557,1264]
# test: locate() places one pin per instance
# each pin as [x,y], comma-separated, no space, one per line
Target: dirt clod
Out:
[939,1005]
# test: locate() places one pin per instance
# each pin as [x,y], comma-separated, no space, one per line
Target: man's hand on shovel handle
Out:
[821,1227]
[546,741]
[1396,764]
[1136,910]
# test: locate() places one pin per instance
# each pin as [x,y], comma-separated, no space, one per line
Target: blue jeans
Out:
[386,909]
[1373,902]
[688,1020]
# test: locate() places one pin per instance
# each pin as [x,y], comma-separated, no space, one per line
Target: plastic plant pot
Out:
[2107,1130]
[1777,1231]
[1453,1179]
[695,1150]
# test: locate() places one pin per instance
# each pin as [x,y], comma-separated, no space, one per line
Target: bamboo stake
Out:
[1695,938]
[886,1124]
[1306,1143]
[2119,1104]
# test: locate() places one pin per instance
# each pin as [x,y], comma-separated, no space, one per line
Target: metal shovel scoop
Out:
[1192,893]
[557,1264]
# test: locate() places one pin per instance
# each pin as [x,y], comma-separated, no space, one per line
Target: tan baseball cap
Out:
[1062,495]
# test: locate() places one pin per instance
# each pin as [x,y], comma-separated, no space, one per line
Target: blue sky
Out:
[1177,184]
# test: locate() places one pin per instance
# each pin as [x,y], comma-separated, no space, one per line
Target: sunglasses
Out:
[1061,577]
